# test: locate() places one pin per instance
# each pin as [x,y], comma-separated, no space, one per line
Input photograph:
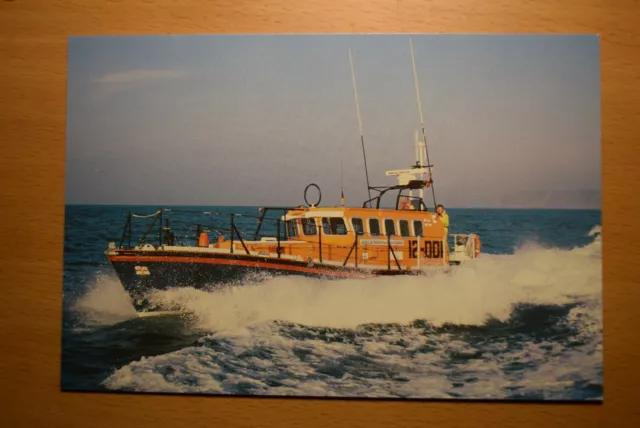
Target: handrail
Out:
[260,219]
[354,246]
[232,227]
[233,230]
[127,226]
[148,230]
[320,243]
[241,240]
[393,253]
[278,236]
[263,217]
[160,230]
[212,227]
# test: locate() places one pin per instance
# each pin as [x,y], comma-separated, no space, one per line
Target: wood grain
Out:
[33,36]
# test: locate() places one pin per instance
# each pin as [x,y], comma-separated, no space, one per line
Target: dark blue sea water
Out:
[523,321]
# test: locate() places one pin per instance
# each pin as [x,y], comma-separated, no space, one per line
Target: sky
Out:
[253,119]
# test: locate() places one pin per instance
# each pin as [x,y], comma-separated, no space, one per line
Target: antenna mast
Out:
[420,157]
[355,91]
[424,136]
[341,184]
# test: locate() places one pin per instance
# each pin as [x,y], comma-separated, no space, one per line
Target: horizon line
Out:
[480,207]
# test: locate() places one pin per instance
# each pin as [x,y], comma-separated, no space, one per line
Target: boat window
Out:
[309,226]
[358,225]
[334,226]
[404,228]
[417,228]
[389,227]
[374,227]
[292,228]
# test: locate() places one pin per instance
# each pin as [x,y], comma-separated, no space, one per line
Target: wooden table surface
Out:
[33,37]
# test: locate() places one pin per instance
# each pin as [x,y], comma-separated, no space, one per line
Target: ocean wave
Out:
[391,361]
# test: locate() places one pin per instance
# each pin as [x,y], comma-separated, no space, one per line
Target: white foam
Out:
[105,303]
[380,368]
[488,287]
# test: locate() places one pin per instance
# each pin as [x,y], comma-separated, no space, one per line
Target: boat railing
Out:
[465,246]
[165,235]
[233,230]
[416,202]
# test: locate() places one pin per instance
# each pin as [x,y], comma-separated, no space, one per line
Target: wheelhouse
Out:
[343,224]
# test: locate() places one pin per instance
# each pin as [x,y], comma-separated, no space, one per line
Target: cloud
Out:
[140,75]
[110,83]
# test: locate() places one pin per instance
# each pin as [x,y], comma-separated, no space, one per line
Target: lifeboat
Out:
[332,242]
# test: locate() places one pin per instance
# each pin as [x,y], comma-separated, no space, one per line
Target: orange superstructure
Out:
[357,237]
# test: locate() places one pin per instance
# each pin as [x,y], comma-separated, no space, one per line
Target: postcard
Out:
[405,216]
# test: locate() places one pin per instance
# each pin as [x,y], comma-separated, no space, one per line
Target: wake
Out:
[470,294]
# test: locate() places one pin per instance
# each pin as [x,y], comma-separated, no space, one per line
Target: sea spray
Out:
[105,303]
[487,288]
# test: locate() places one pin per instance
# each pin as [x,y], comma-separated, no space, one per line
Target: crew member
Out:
[444,217]
[429,182]
[405,204]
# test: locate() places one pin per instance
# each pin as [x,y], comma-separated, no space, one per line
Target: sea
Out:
[523,321]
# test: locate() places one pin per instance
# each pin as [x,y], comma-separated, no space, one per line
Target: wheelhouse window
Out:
[404,228]
[309,226]
[334,226]
[417,228]
[374,227]
[358,225]
[292,228]
[389,227]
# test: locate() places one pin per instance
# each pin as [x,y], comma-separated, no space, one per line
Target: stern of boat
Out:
[464,247]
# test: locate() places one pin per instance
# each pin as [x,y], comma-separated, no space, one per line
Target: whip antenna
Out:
[341,184]
[424,136]
[355,91]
